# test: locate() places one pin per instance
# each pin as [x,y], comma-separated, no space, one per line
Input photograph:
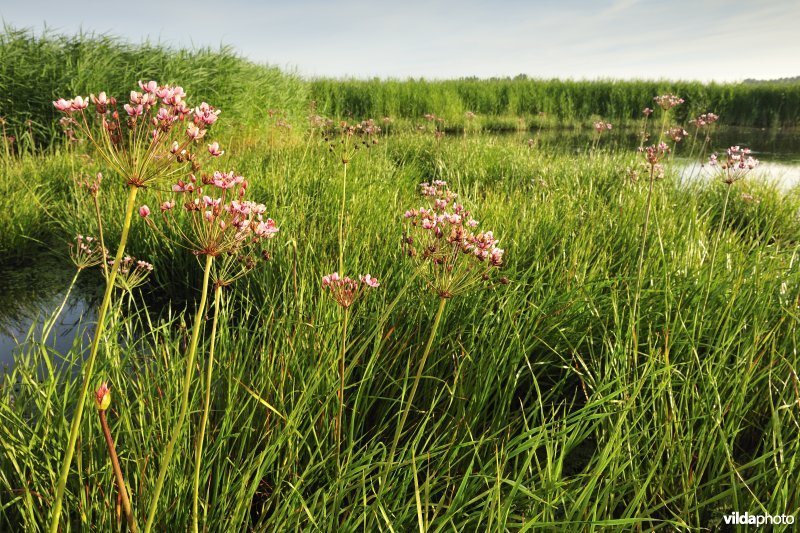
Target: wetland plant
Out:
[146,142]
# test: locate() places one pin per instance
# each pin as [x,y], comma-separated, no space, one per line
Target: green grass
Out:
[531,413]
[761,105]
[38,69]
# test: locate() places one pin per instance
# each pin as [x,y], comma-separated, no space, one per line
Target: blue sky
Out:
[680,39]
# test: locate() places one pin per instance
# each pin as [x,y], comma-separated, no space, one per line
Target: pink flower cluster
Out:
[86,252]
[601,126]
[706,119]
[654,153]
[159,109]
[455,228]
[676,134]
[438,192]
[132,272]
[446,240]
[78,103]
[352,138]
[221,224]
[344,290]
[737,164]
[668,101]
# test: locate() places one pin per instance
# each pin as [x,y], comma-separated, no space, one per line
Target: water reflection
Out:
[775,146]
[32,292]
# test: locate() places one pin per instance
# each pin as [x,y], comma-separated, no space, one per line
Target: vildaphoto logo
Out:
[758,520]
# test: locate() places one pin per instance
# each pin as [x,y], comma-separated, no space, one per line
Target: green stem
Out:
[640,265]
[177,428]
[101,318]
[341,220]
[198,450]
[341,383]
[49,326]
[96,200]
[122,490]
[714,250]
[410,400]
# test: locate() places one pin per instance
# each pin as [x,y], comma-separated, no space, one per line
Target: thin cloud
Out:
[713,39]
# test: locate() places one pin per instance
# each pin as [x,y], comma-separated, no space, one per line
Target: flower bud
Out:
[102,397]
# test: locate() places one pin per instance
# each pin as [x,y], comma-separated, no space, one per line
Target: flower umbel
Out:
[457,258]
[132,272]
[737,164]
[86,252]
[668,101]
[145,140]
[346,291]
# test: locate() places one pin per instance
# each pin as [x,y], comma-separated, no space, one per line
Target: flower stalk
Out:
[177,428]
[410,400]
[198,451]
[102,401]
[101,318]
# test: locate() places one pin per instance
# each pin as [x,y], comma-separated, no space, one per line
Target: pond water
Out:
[778,151]
[31,292]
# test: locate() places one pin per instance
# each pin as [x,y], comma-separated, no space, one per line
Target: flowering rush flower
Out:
[132,272]
[148,135]
[601,126]
[668,101]
[221,222]
[737,164]
[345,291]
[676,134]
[706,119]
[86,252]
[654,153]
[443,237]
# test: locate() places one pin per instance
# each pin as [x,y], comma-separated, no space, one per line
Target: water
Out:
[777,150]
[31,294]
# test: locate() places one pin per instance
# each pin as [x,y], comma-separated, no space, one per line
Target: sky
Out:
[721,40]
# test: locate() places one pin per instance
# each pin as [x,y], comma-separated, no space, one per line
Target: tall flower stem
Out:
[341,219]
[198,450]
[121,488]
[410,400]
[640,265]
[177,428]
[642,246]
[715,248]
[341,382]
[101,318]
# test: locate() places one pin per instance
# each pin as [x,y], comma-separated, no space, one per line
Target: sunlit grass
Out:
[528,414]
